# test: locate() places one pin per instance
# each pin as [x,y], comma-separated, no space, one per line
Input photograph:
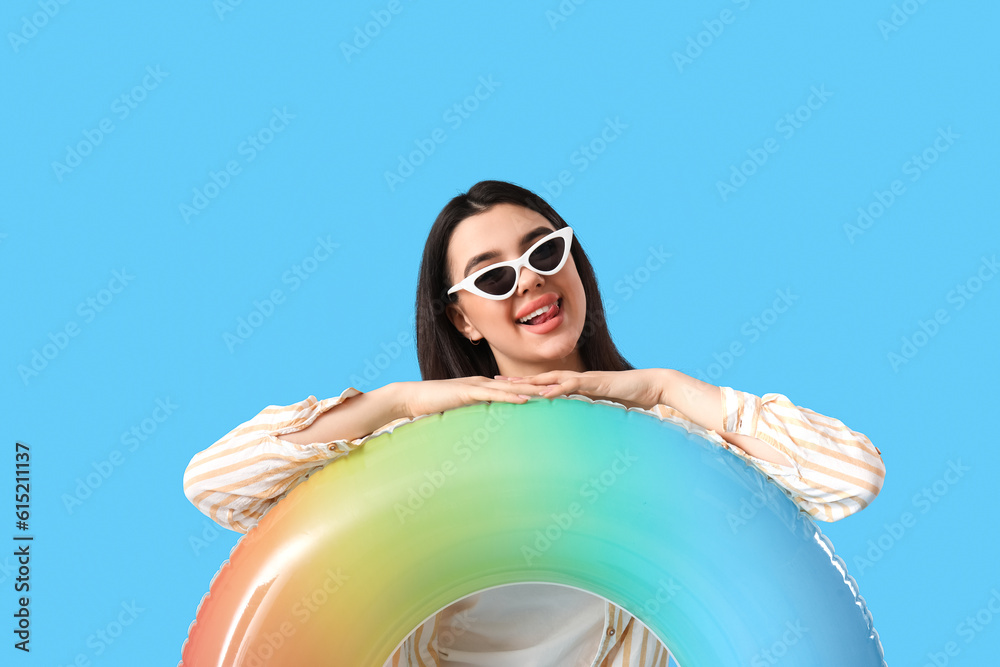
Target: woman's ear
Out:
[462,322]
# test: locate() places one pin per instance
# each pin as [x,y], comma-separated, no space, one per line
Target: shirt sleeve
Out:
[834,471]
[236,480]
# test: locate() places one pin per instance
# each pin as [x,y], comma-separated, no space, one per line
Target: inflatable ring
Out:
[580,493]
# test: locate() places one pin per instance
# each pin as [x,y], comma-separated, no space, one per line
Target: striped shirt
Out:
[833,472]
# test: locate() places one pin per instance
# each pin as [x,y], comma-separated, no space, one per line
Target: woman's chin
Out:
[558,344]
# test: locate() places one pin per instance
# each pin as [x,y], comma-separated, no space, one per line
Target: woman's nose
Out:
[529,278]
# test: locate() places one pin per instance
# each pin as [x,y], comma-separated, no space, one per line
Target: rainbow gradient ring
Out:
[575,492]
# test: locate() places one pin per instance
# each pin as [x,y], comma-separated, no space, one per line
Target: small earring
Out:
[475,342]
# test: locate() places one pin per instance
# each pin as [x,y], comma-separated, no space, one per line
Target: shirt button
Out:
[611,631]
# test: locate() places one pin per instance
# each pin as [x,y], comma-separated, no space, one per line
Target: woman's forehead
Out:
[502,225]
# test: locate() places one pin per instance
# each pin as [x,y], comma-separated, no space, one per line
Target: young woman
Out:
[508,308]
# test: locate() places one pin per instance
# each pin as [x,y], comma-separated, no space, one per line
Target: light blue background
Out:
[323,176]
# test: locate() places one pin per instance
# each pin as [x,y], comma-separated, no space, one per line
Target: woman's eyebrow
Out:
[535,233]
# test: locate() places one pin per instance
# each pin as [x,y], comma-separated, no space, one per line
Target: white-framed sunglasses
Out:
[499,281]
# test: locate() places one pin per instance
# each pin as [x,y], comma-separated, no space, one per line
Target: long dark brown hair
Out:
[443,352]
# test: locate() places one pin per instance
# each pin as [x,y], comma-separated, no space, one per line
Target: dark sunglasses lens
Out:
[548,255]
[496,282]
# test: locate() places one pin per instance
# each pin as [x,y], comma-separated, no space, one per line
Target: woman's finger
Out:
[551,390]
[552,377]
[532,379]
[500,395]
[538,385]
[528,388]
[517,384]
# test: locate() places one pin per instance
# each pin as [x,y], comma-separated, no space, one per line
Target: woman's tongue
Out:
[547,315]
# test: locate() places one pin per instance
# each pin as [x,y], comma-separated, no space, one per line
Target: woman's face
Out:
[519,349]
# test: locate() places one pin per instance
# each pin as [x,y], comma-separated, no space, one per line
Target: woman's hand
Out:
[641,387]
[424,397]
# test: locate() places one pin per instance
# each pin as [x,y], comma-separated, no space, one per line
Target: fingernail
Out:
[524,396]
